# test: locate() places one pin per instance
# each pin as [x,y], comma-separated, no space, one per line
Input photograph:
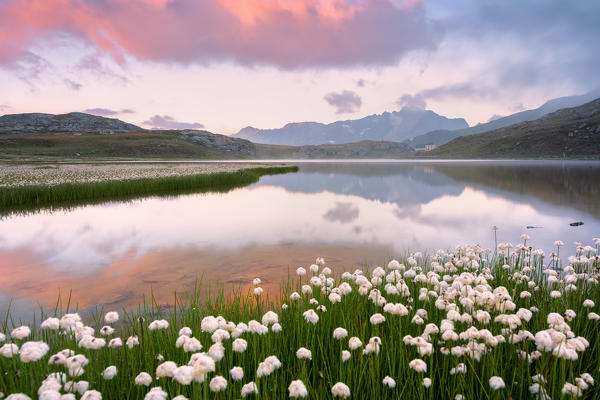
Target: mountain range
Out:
[396,126]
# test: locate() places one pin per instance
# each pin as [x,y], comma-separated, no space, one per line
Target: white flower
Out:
[114,343]
[216,351]
[184,374]
[570,389]
[559,243]
[256,281]
[373,345]
[593,316]
[143,378]
[91,395]
[132,341]
[297,389]
[284,306]
[111,317]
[295,296]
[209,324]
[107,330]
[258,291]
[270,318]
[311,316]
[237,373]
[109,372]
[555,294]
[21,332]
[217,384]
[51,323]
[389,382]
[276,328]
[219,335]
[354,343]
[304,354]
[314,268]
[340,390]
[33,351]
[166,369]
[156,393]
[346,355]
[180,397]
[377,319]
[249,388]
[418,365]
[203,364]
[185,331]
[339,333]
[239,345]
[301,271]
[588,303]
[18,396]
[426,382]
[496,383]
[158,324]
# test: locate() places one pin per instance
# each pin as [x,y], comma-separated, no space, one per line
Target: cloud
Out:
[494,117]
[106,112]
[360,83]
[342,213]
[167,122]
[72,84]
[289,34]
[415,102]
[4,107]
[345,102]
[94,65]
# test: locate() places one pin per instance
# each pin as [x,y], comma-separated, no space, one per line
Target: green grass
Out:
[33,197]
[362,373]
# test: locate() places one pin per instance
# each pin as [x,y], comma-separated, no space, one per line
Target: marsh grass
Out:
[362,373]
[21,199]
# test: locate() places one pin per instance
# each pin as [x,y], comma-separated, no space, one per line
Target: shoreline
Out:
[30,187]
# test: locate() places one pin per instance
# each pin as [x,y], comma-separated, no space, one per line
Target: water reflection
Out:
[349,213]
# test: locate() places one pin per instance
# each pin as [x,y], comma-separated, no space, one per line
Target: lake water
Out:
[350,213]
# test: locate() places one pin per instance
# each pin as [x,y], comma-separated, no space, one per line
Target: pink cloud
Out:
[286,33]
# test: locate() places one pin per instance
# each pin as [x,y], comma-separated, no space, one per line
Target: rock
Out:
[71,122]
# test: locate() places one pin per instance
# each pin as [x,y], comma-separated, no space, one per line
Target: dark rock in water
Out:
[533,227]
[578,223]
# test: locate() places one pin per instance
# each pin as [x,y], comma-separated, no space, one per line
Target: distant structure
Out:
[427,147]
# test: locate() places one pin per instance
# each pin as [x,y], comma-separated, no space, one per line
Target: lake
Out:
[359,213]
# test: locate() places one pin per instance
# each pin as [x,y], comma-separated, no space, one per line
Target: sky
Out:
[221,65]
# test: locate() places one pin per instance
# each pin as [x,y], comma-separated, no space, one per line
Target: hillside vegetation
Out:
[567,133]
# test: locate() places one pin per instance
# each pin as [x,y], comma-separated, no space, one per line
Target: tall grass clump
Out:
[462,324]
[32,197]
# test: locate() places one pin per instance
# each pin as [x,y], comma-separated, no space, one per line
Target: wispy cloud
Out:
[72,84]
[168,122]
[106,112]
[345,102]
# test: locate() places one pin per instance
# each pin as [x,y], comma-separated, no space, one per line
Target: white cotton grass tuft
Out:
[346,355]
[239,345]
[497,383]
[109,373]
[258,291]
[248,389]
[50,323]
[217,384]
[111,317]
[418,365]
[300,271]
[354,343]
[166,369]
[21,332]
[389,382]
[33,351]
[270,318]
[297,389]
[156,393]
[256,281]
[339,333]
[340,390]
[304,354]
[426,382]
[185,331]
[184,374]
[143,379]
[158,324]
[237,373]
[311,316]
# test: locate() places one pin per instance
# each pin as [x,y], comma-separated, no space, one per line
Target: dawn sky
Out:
[225,64]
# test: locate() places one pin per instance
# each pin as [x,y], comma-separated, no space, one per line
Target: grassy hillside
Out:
[567,133]
[201,145]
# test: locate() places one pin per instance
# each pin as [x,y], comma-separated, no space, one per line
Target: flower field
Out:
[463,324]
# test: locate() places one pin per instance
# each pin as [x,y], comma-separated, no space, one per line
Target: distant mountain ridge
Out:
[568,132]
[71,122]
[442,136]
[396,126]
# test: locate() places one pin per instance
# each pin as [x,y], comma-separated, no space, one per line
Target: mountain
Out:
[357,150]
[71,122]
[441,136]
[396,126]
[570,132]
